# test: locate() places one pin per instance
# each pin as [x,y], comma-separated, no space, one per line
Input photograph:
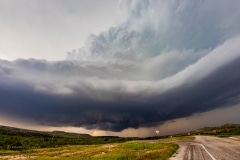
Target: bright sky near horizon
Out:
[49,29]
[119,67]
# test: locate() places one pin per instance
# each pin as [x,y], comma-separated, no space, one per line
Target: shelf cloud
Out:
[166,60]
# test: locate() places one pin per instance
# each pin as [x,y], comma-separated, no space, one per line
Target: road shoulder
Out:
[183,145]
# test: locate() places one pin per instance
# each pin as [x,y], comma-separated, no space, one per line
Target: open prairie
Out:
[115,151]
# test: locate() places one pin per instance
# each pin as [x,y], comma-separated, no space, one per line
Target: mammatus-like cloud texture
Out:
[166,60]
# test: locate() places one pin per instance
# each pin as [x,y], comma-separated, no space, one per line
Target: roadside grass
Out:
[137,150]
[175,139]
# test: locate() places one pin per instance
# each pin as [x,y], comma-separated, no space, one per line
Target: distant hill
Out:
[228,129]
[5,130]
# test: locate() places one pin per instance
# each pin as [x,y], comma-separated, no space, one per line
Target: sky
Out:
[124,68]
[46,29]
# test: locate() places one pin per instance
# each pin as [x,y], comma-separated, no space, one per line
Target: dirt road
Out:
[210,148]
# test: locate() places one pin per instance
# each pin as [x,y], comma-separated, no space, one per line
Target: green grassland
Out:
[18,144]
[115,151]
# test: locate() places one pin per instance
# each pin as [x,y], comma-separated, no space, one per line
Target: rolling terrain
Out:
[208,143]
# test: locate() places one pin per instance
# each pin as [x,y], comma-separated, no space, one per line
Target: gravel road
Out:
[209,148]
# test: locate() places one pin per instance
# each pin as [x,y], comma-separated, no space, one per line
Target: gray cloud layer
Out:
[167,60]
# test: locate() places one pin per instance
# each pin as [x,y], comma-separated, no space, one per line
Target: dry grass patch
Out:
[118,151]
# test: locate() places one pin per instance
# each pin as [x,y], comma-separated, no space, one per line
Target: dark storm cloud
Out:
[160,64]
[76,109]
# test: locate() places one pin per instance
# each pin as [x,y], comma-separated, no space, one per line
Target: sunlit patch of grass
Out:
[152,150]
[145,145]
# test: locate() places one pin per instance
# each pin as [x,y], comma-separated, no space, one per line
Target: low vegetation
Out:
[115,151]
[225,130]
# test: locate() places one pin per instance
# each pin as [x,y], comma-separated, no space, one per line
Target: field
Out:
[115,151]
[19,144]
[16,144]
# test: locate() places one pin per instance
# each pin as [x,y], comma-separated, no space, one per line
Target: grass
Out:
[174,139]
[117,151]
